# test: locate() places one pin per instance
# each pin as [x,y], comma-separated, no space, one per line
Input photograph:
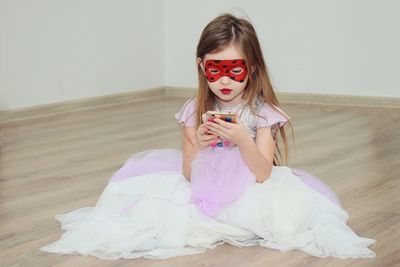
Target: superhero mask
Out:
[235,69]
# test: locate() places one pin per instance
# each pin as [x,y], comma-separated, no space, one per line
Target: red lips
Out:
[226,91]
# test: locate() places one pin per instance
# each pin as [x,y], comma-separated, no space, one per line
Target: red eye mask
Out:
[235,69]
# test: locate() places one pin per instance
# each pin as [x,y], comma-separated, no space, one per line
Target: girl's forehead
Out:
[230,52]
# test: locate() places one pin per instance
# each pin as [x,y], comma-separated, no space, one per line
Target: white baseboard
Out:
[345,100]
[18,114]
[109,100]
[318,99]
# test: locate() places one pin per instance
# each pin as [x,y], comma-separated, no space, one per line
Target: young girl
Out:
[226,186]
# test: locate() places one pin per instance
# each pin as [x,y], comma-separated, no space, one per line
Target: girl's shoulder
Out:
[269,114]
[187,114]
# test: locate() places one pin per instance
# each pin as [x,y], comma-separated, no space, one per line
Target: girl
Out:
[226,186]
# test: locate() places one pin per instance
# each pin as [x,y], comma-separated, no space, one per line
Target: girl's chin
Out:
[230,99]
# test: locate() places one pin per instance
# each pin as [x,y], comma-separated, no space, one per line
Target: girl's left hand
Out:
[234,132]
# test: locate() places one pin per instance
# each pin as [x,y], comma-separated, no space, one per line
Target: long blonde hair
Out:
[221,32]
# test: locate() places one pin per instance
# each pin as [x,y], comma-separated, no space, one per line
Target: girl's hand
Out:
[234,132]
[205,137]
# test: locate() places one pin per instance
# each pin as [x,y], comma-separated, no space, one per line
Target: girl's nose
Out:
[225,80]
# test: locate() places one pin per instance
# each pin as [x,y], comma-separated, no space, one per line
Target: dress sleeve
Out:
[268,116]
[187,115]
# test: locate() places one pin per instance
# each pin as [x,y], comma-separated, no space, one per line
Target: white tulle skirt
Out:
[151,215]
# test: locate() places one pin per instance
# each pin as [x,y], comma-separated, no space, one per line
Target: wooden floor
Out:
[57,163]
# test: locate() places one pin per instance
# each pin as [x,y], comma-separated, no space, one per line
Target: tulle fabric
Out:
[159,160]
[207,170]
[287,214]
[147,216]
[316,184]
[144,213]
[219,178]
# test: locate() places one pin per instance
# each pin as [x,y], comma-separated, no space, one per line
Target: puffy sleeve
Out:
[267,116]
[187,115]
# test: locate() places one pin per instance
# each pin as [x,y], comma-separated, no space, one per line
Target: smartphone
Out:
[226,116]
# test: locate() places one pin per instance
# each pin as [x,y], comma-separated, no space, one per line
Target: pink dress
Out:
[148,209]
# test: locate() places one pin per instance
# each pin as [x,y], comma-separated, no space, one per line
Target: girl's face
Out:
[226,74]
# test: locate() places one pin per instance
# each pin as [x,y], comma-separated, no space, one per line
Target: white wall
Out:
[58,50]
[347,47]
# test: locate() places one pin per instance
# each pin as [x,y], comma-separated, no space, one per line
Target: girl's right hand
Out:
[204,139]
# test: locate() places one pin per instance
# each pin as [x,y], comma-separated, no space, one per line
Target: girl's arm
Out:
[259,155]
[190,150]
